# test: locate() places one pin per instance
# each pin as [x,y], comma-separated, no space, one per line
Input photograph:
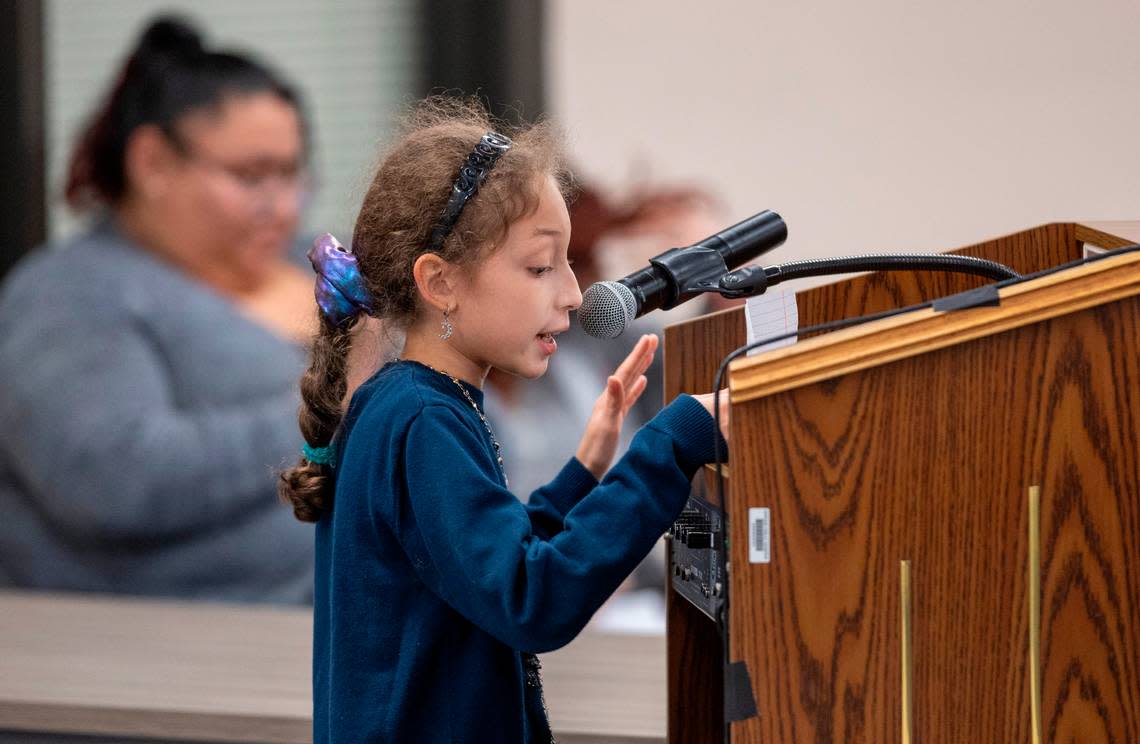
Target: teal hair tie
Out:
[319,455]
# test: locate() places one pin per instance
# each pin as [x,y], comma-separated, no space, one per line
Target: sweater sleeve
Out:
[482,554]
[549,504]
[96,433]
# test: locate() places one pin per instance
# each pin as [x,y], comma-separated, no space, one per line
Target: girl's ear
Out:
[437,281]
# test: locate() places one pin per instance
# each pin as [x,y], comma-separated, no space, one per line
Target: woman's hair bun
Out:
[169,73]
[169,36]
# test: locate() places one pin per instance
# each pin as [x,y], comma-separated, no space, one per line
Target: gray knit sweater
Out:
[141,421]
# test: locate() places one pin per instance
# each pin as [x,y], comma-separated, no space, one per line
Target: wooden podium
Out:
[954,503]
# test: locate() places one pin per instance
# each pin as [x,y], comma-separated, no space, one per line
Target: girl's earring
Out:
[446,326]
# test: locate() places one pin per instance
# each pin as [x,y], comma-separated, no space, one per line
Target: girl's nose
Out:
[572,296]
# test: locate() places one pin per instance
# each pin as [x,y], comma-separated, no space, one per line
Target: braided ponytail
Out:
[309,485]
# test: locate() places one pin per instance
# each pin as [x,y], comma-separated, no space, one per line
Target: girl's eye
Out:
[540,270]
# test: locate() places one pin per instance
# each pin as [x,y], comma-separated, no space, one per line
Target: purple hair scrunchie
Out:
[340,287]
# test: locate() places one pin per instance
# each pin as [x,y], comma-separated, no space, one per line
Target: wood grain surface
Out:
[1109,234]
[927,459]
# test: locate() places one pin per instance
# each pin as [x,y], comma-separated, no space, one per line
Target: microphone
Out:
[677,275]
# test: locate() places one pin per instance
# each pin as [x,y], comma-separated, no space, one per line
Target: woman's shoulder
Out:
[96,263]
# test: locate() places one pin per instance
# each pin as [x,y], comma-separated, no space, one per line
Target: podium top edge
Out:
[1113,232]
[921,331]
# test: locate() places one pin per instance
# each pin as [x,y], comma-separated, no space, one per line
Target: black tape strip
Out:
[739,702]
[986,296]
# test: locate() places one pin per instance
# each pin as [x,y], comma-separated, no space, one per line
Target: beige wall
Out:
[868,125]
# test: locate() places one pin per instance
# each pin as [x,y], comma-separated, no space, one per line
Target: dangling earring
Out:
[446,326]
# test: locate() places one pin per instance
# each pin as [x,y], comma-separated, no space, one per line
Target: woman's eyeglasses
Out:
[263,180]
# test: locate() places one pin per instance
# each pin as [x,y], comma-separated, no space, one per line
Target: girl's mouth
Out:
[547,343]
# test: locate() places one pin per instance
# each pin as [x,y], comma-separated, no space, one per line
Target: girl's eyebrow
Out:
[553,232]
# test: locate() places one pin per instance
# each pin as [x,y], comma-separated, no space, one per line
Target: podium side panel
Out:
[693,350]
[929,459]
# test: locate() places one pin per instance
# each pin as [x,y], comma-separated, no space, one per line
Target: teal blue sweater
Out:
[434,583]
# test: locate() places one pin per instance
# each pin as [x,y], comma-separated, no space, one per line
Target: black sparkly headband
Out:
[471,176]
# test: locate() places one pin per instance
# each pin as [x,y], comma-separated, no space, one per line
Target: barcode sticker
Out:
[759,535]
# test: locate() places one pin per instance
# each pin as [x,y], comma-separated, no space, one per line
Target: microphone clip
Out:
[747,282]
[701,267]
[733,285]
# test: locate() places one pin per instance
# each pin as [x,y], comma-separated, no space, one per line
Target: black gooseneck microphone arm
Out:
[755,280]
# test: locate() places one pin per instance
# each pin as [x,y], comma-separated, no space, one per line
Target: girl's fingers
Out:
[615,396]
[647,357]
[638,360]
[634,392]
[631,361]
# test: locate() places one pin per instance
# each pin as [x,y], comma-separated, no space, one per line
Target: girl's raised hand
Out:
[623,388]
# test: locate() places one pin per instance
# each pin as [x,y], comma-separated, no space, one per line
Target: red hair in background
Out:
[593,218]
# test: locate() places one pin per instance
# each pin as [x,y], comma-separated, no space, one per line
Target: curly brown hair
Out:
[401,207]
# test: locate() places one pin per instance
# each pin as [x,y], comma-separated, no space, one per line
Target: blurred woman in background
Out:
[137,443]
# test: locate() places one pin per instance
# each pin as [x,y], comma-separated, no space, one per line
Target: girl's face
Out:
[236,182]
[519,298]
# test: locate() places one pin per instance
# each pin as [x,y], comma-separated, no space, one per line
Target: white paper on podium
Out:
[771,314]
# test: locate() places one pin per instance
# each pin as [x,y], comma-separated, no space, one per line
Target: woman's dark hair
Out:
[168,75]
[402,206]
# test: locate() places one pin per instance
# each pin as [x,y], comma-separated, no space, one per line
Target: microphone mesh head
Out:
[607,308]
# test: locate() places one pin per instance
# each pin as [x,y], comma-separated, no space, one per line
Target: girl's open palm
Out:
[623,388]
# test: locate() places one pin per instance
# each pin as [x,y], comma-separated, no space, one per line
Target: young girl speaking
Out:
[435,585]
